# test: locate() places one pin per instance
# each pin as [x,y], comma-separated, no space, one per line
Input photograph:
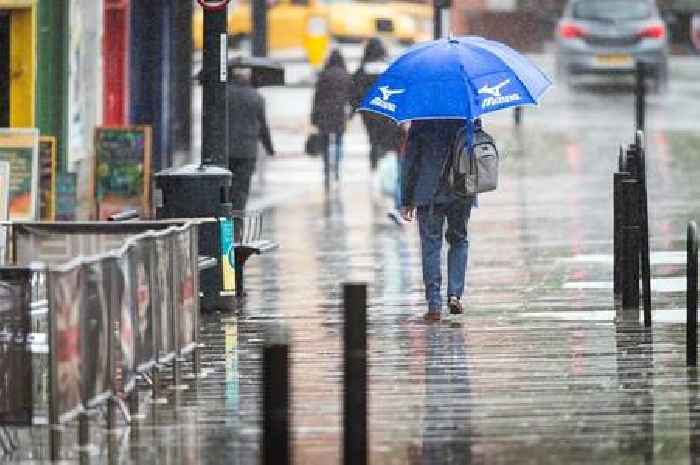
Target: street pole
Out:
[214,79]
[437,19]
[258,18]
[438,13]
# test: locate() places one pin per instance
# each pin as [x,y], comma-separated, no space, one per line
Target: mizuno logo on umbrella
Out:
[387,92]
[384,102]
[494,91]
[495,97]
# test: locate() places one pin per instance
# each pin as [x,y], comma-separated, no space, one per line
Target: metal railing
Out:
[111,318]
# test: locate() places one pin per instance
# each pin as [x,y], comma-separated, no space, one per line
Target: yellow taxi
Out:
[356,21]
[291,24]
[310,24]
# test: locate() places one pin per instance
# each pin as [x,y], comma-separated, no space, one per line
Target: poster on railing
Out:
[66,300]
[19,147]
[140,270]
[15,356]
[125,360]
[164,285]
[95,332]
[185,289]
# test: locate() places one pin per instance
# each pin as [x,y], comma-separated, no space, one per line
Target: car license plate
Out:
[614,59]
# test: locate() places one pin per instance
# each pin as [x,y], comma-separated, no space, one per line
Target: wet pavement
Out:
[542,368]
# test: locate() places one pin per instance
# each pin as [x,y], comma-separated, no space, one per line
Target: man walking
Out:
[427,196]
[247,125]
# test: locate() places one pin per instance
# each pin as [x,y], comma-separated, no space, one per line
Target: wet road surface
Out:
[541,369]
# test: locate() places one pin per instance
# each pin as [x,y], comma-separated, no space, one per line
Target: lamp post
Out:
[214,79]
[438,6]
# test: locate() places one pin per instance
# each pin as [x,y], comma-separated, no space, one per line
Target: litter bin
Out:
[199,191]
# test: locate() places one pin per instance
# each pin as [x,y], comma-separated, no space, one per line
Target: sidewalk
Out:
[542,369]
[536,372]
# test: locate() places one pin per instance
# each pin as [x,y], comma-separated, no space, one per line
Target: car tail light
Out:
[571,31]
[655,31]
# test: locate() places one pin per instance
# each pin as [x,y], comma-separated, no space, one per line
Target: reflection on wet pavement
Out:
[541,369]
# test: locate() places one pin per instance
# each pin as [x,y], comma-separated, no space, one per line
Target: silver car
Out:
[609,36]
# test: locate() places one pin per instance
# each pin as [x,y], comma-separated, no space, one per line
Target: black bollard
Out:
[630,238]
[83,431]
[618,215]
[630,267]
[640,95]
[355,449]
[691,349]
[276,448]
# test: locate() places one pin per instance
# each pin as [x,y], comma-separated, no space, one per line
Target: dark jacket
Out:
[381,131]
[247,122]
[429,143]
[331,100]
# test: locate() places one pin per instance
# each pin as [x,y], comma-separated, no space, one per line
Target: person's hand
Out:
[408,213]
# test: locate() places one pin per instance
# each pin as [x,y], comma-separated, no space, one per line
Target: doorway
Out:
[4,69]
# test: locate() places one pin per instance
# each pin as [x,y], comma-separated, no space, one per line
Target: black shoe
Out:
[455,306]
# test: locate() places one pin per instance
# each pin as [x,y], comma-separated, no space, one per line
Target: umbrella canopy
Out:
[461,78]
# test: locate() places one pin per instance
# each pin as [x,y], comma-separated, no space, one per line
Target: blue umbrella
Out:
[457,78]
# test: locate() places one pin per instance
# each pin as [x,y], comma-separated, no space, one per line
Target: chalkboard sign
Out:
[47,178]
[122,171]
[19,147]
[66,197]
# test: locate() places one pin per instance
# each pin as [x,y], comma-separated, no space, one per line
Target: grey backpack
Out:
[472,170]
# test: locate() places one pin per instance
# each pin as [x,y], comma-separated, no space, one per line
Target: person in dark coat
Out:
[384,135]
[330,108]
[425,193]
[247,125]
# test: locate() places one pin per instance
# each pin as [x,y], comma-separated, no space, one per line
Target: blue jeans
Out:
[430,227]
[327,160]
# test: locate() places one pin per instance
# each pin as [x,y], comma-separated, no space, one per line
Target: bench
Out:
[247,242]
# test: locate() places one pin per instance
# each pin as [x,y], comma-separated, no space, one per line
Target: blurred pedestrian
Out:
[247,126]
[425,194]
[330,109]
[383,133]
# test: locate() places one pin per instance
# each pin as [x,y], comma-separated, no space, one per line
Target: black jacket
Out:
[247,122]
[331,100]
[381,131]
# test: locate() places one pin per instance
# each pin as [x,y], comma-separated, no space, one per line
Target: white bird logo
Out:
[494,91]
[387,92]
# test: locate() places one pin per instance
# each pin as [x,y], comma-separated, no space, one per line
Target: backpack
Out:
[472,170]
